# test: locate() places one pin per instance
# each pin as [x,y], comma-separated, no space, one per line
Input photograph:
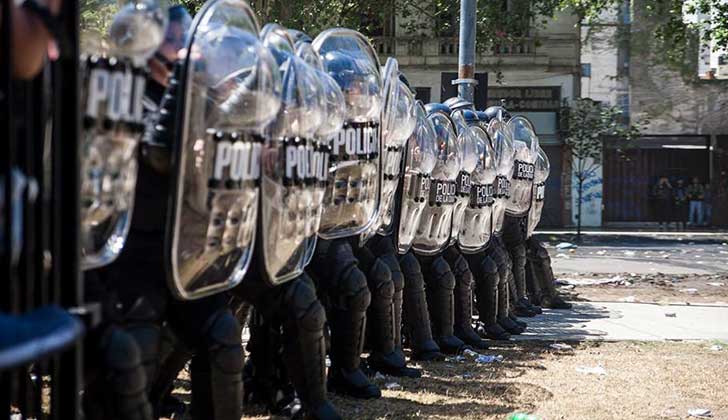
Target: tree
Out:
[586,123]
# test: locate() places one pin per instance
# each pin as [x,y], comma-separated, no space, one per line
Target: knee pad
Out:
[390,260]
[224,342]
[518,253]
[380,281]
[440,274]
[382,245]
[353,291]
[303,305]
[461,270]
[412,271]
[123,359]
[482,267]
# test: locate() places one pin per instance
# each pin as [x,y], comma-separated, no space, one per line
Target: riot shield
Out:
[541,173]
[398,121]
[476,226]
[420,155]
[290,157]
[525,145]
[468,150]
[113,68]
[335,109]
[228,92]
[433,231]
[502,142]
[352,195]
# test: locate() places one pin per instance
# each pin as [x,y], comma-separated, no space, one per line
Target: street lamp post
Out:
[466,58]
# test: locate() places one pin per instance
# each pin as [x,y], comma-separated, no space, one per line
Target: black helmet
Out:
[436,106]
[457,102]
[493,111]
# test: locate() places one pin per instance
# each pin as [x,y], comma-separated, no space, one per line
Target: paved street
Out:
[613,321]
[642,254]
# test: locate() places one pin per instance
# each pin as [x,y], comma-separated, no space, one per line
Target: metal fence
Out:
[39,216]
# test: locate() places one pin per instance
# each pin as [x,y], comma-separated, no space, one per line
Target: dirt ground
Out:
[641,380]
[656,380]
[648,288]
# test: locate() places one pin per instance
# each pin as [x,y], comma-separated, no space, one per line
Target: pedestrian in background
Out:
[707,205]
[696,195]
[680,209]
[662,193]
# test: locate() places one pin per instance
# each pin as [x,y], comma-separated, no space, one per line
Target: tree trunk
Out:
[578,211]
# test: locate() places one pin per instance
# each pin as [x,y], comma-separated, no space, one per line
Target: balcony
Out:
[447,47]
[443,51]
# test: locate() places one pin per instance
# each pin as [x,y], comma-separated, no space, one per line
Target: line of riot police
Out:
[235,175]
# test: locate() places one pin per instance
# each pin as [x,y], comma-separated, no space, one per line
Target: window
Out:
[585,69]
[423,94]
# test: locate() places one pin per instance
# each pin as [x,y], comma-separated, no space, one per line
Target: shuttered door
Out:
[629,176]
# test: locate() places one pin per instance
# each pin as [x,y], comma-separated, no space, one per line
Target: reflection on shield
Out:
[228,92]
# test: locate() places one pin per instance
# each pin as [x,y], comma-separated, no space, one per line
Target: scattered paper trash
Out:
[716,347]
[566,245]
[470,353]
[628,299]
[484,358]
[522,416]
[671,314]
[560,346]
[665,256]
[690,290]
[596,370]
[602,252]
[393,386]
[629,253]
[702,413]
[715,284]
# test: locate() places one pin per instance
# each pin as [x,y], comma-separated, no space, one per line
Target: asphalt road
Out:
[639,253]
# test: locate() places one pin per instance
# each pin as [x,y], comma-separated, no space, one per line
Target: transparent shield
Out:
[502,141]
[230,92]
[335,111]
[433,231]
[543,167]
[468,150]
[289,171]
[114,46]
[398,121]
[476,227]
[352,195]
[420,156]
[525,145]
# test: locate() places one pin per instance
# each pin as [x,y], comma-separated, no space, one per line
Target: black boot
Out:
[305,348]
[349,299]
[380,315]
[486,293]
[545,278]
[415,311]
[464,300]
[504,320]
[390,259]
[535,294]
[216,370]
[347,340]
[440,300]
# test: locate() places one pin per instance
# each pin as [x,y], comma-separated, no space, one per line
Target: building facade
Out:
[533,76]
[683,118]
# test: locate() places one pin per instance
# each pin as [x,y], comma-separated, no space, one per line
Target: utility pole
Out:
[466,58]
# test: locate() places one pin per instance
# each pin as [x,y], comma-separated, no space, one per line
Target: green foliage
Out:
[585,124]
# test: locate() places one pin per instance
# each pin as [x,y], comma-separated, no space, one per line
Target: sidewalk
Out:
[614,321]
